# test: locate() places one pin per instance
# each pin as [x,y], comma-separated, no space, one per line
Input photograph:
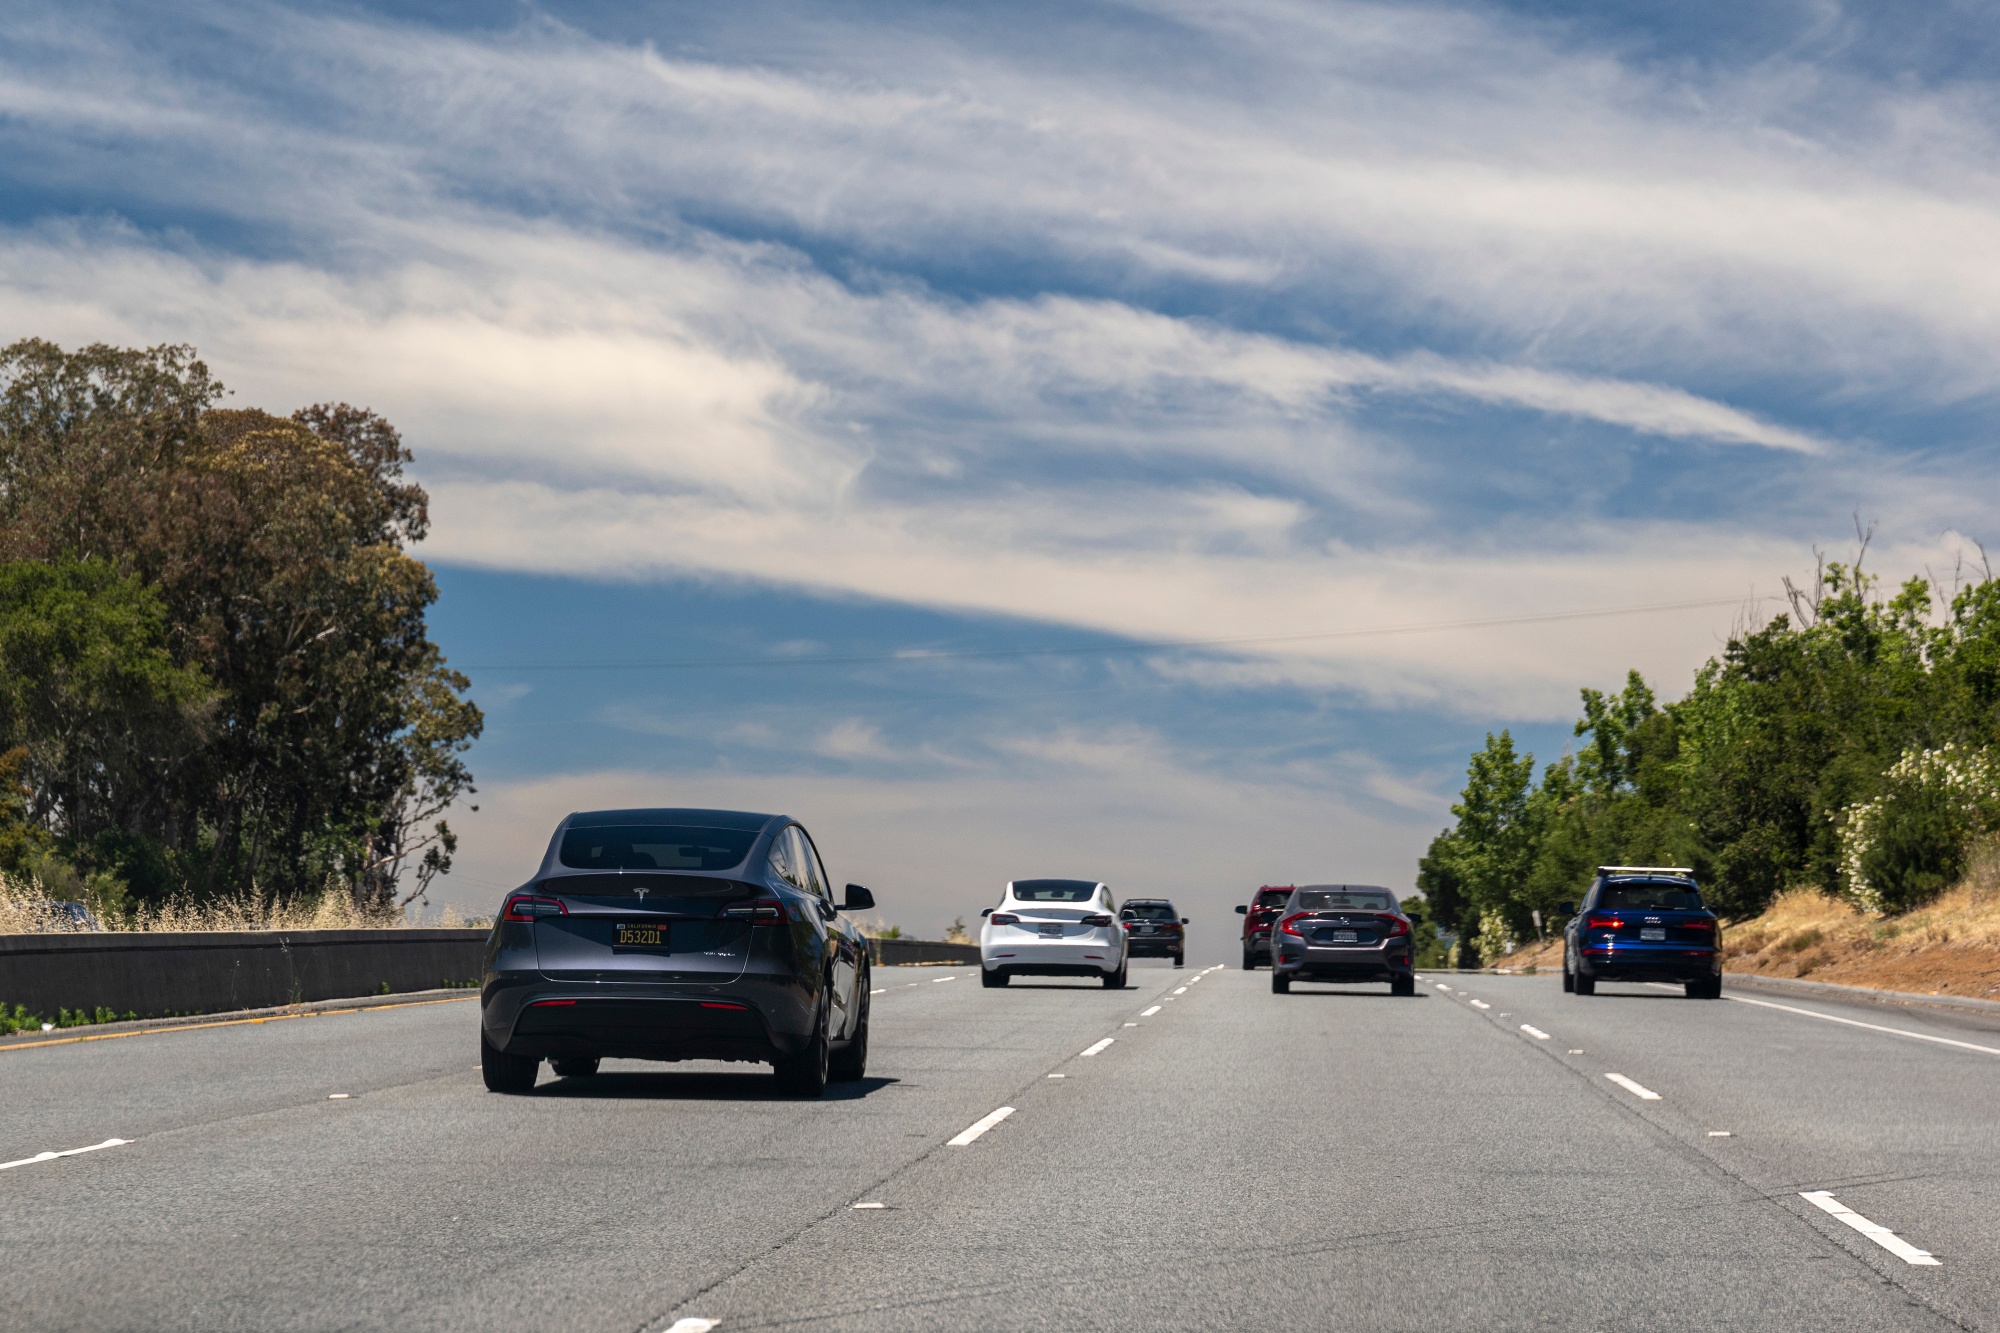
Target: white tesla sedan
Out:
[1052,928]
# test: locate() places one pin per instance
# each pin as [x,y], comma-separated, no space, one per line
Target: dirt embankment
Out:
[1950,947]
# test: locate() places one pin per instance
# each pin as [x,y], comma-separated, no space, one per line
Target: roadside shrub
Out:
[1911,843]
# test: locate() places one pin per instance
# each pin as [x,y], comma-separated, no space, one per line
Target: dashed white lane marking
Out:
[1095,1047]
[69,1152]
[979,1127]
[1058,1075]
[1481,1004]
[1441,986]
[1636,1088]
[1720,1134]
[1872,1027]
[1148,1013]
[883,991]
[936,980]
[1534,1032]
[337,1096]
[1881,1235]
[1180,990]
[860,1207]
[1131,1025]
[692,1325]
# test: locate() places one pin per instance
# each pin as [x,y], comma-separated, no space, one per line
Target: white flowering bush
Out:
[1909,844]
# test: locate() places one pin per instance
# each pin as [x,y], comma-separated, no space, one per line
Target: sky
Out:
[1153,441]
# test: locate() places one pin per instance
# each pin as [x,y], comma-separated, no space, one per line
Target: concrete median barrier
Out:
[893,953]
[151,974]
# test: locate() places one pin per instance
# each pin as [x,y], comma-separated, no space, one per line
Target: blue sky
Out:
[786,332]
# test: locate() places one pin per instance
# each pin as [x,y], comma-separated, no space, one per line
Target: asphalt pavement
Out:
[1190,1152]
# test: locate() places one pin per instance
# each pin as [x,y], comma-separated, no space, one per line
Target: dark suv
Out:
[1643,923]
[676,935]
[1153,929]
[1258,914]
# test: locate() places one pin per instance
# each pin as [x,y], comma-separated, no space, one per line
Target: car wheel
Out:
[1569,977]
[1705,988]
[1115,980]
[1403,986]
[804,1074]
[1585,985]
[504,1072]
[992,977]
[1249,961]
[1179,959]
[850,1062]
[1280,983]
[577,1067]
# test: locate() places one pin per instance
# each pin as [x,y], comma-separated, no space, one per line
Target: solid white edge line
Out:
[67,1152]
[1872,1027]
[1095,1047]
[1636,1088]
[1534,1032]
[980,1126]
[1148,1013]
[1881,1235]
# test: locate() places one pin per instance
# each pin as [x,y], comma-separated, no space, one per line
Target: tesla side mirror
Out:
[858,899]
[1184,921]
[986,911]
[1241,909]
[1567,909]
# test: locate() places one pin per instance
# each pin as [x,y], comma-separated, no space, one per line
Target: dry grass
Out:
[25,909]
[1949,947]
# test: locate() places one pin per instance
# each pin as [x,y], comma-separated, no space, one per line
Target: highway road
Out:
[1183,1154]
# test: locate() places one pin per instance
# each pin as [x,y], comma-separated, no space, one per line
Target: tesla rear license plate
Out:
[630,938]
[1652,932]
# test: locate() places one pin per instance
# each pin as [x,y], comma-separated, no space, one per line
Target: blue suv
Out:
[1643,923]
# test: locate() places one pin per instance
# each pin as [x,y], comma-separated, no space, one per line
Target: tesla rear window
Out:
[1149,911]
[1363,902]
[655,847]
[1633,897]
[1054,890]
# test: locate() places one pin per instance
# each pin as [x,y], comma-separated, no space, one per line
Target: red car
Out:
[1258,914]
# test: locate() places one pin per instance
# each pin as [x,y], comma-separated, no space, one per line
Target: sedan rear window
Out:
[1636,897]
[1332,900]
[1054,890]
[655,847]
[1148,911]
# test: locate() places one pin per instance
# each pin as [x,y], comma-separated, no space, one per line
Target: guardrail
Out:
[155,973]
[892,953]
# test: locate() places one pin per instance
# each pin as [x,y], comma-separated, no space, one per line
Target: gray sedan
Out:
[1342,932]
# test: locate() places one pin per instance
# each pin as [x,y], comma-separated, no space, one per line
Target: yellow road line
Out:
[230,1023]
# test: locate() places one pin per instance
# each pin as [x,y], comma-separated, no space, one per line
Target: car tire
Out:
[1705,988]
[574,1067]
[804,1074]
[1115,980]
[1179,959]
[504,1072]
[850,1062]
[1569,978]
[1249,961]
[1585,985]
[1403,986]
[1280,983]
[992,976]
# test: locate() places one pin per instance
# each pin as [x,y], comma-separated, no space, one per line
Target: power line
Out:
[1105,650]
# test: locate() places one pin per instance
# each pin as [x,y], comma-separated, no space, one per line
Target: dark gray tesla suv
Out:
[676,935]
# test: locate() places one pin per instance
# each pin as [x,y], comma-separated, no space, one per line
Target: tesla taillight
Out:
[717,1004]
[1595,921]
[1004,919]
[1097,919]
[526,907]
[1393,926]
[550,1004]
[1289,926]
[764,909]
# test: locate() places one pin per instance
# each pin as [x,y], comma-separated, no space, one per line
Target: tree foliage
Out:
[332,733]
[1845,745]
